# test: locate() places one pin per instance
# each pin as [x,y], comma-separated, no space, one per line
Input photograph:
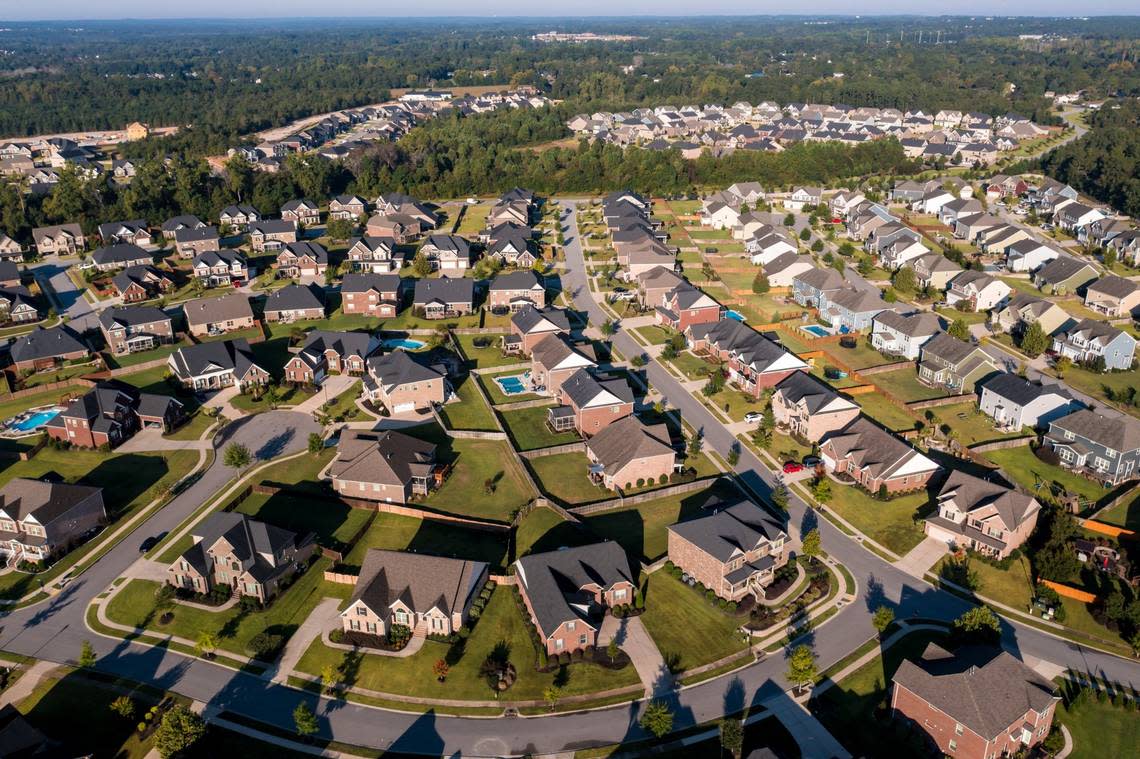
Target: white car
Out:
[753,417]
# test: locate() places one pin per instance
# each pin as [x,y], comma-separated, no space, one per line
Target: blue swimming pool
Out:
[36,420]
[734,315]
[512,385]
[816,330]
[402,342]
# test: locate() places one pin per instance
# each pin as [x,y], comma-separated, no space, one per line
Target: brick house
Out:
[43,349]
[138,283]
[108,414]
[215,365]
[590,404]
[302,259]
[628,453]
[272,234]
[685,305]
[120,256]
[809,409]
[401,228]
[303,212]
[553,359]
[215,316]
[138,328]
[375,254]
[134,232]
[444,298]
[40,520]
[449,254]
[733,549]
[191,241]
[653,285]
[531,325]
[62,239]
[251,557]
[327,353]
[511,244]
[171,226]
[348,207]
[516,290]
[975,703]
[372,294]
[568,591]
[239,217]
[401,384]
[982,516]
[753,361]
[295,303]
[430,594]
[385,465]
[17,305]
[220,268]
[875,458]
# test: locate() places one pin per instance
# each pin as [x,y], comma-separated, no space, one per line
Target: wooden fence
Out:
[1112,530]
[639,498]
[1069,592]
[1000,445]
[949,400]
[576,447]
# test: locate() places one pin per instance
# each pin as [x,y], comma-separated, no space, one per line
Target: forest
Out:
[1104,163]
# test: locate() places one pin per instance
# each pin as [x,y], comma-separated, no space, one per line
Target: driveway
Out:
[152,440]
[920,559]
[322,617]
[632,637]
[331,388]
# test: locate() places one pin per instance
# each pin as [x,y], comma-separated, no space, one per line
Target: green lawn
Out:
[135,605]
[496,394]
[333,522]
[46,398]
[1124,514]
[543,529]
[685,624]
[1100,730]
[486,357]
[692,366]
[343,407]
[471,411]
[400,533]
[885,411]
[1013,586]
[655,335]
[564,477]
[734,402]
[904,385]
[969,425]
[501,626]
[859,357]
[528,429]
[132,359]
[1021,465]
[477,461]
[1099,385]
[193,428]
[890,523]
[59,374]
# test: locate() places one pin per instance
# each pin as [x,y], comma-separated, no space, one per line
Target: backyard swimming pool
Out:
[35,421]
[815,329]
[514,384]
[734,315]
[402,342]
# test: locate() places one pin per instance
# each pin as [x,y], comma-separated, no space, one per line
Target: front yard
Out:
[686,626]
[893,523]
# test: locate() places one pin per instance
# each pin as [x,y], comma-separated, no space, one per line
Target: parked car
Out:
[792,467]
[812,461]
[753,417]
[151,542]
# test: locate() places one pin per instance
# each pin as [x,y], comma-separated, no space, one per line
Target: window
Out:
[558,644]
[958,729]
[619,594]
[952,746]
[361,611]
[570,625]
[582,639]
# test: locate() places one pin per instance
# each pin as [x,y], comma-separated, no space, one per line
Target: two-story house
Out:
[851,310]
[131,232]
[372,294]
[629,453]
[515,290]
[216,365]
[754,362]
[589,404]
[813,286]
[933,270]
[449,254]
[875,458]
[135,328]
[40,520]
[530,325]
[109,413]
[191,241]
[401,383]
[954,364]
[347,207]
[61,239]
[554,358]
[1029,255]
[302,259]
[1014,402]
[978,290]
[383,465]
[221,268]
[1024,309]
[1065,274]
[1113,296]
[270,235]
[375,254]
[1091,340]
[896,334]
[685,305]
[302,211]
[982,516]
[809,409]
[326,353]
[1106,448]
[238,217]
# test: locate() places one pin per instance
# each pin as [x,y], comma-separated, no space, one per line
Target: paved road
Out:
[54,630]
[68,299]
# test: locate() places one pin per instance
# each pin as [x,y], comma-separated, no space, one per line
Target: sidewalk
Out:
[923,557]
[27,683]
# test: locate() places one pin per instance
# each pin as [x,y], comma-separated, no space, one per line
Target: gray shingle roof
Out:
[445,290]
[628,440]
[419,581]
[523,279]
[194,360]
[46,343]
[733,527]
[131,316]
[582,387]
[529,317]
[553,581]
[387,457]
[232,306]
[295,298]
[399,368]
[1114,286]
[1020,390]
[358,282]
[43,500]
[911,325]
[1116,432]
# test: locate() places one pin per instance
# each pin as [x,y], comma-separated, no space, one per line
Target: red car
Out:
[792,467]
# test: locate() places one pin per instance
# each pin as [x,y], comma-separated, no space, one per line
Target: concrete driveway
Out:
[920,559]
[330,389]
[632,637]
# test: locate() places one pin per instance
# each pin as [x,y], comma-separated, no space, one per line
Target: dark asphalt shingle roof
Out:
[553,581]
[419,581]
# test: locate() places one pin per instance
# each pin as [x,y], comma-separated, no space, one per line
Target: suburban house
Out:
[214,316]
[896,334]
[1091,340]
[782,270]
[809,409]
[10,249]
[734,550]
[134,329]
[17,305]
[221,268]
[1075,217]
[515,290]
[1065,274]
[109,414]
[427,594]
[893,244]
[375,254]
[803,196]
[41,519]
[509,212]
[1029,255]
[272,234]
[43,349]
[851,310]
[511,245]
[215,365]
[327,353]
[954,364]
[383,465]
[62,239]
[295,303]
[531,325]
[1024,309]
[1014,402]
[445,297]
[303,212]
[450,254]
[232,550]
[982,516]
[974,704]
[372,294]
[754,362]
[171,226]
[400,383]
[655,283]
[239,217]
[812,287]
[980,291]
[766,246]
[401,228]
[190,241]
[347,207]
[567,592]
[141,282]
[686,305]
[589,404]
[554,359]
[628,454]
[875,458]
[133,232]
[120,256]
[9,274]
[302,259]
[1113,296]
[1106,448]
[934,270]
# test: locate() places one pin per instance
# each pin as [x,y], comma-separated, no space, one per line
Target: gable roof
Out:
[628,440]
[553,580]
[1021,391]
[359,282]
[528,318]
[228,307]
[131,316]
[43,501]
[386,457]
[418,581]
[195,360]
[445,290]
[399,368]
[1113,286]
[523,279]
[801,386]
[870,447]
[1117,432]
[912,325]
[295,298]
[732,528]
[46,343]
[583,388]
[971,494]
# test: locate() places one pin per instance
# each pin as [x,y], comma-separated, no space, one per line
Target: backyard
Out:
[706,634]
[969,425]
[529,431]
[485,356]
[400,533]
[470,412]
[496,394]
[903,384]
[479,463]
[1045,480]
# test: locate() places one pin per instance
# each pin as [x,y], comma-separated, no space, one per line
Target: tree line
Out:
[1105,162]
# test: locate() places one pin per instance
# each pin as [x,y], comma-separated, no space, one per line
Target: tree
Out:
[821,489]
[805,234]
[124,706]
[304,720]
[1054,558]
[882,618]
[612,650]
[811,546]
[236,456]
[421,266]
[802,667]
[817,246]
[696,443]
[732,736]
[733,457]
[977,625]
[779,497]
[608,328]
[790,220]
[206,644]
[959,329]
[760,284]
[179,730]
[316,443]
[1062,365]
[87,656]
[1034,341]
[441,668]
[551,695]
[905,280]
[657,719]
[329,677]
[340,229]
[1109,256]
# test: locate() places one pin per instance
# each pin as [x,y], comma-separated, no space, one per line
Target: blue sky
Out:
[12,10]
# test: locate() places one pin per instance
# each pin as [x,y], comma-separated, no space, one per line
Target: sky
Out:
[12,10]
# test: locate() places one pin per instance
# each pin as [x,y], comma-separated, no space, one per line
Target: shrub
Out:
[641,482]
[265,645]
[543,660]
[564,658]
[475,613]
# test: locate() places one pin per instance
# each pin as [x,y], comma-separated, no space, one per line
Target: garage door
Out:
[939,533]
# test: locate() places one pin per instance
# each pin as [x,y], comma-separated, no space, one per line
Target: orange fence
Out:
[861,389]
[1075,593]
[1107,529]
